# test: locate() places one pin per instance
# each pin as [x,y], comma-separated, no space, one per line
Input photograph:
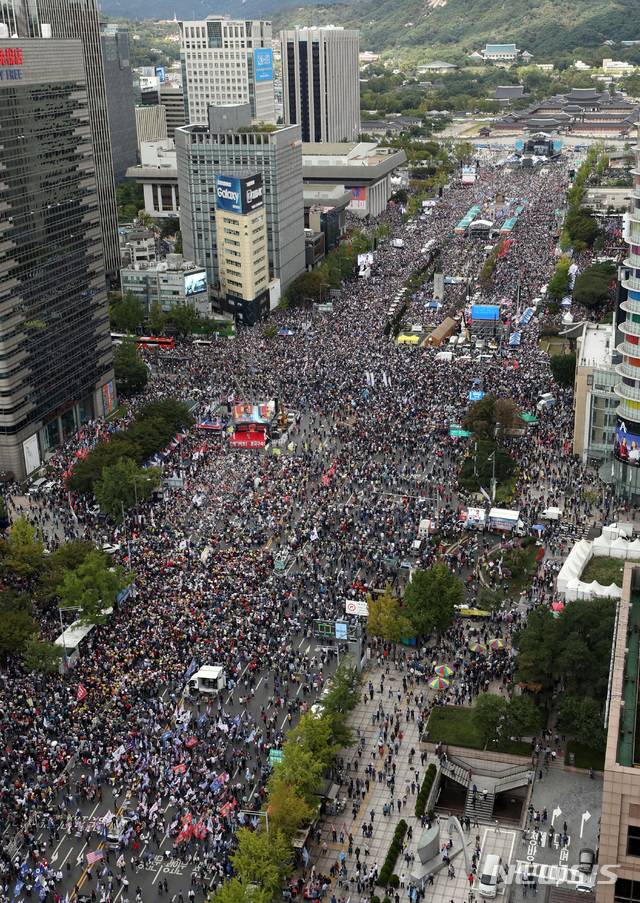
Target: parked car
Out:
[586,860]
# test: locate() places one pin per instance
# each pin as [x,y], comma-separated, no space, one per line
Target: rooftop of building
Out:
[345,154]
[500,48]
[596,345]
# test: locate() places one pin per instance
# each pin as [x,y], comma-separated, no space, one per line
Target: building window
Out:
[627,891]
[633,841]
[590,380]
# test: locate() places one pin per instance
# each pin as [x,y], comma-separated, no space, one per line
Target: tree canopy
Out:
[116,488]
[572,650]
[131,371]
[563,368]
[386,618]
[127,313]
[431,597]
[94,587]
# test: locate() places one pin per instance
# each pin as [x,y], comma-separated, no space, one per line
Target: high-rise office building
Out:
[65,19]
[223,146]
[227,61]
[55,343]
[321,83]
[120,103]
[626,472]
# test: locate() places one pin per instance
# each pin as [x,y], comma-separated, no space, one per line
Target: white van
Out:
[490,876]
[37,485]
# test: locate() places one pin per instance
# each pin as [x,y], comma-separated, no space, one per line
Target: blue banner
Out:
[263,64]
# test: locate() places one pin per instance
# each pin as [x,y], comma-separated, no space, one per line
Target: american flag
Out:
[94,857]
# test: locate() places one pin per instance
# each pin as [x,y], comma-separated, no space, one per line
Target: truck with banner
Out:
[504,521]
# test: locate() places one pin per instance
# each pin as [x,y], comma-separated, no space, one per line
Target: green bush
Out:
[375,899]
[432,814]
[394,882]
[386,875]
[425,790]
[387,900]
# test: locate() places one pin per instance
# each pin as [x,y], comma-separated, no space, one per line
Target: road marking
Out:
[585,818]
[556,814]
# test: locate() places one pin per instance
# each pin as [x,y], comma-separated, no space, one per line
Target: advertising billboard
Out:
[359,201]
[239,195]
[476,517]
[365,259]
[626,446]
[108,400]
[160,73]
[263,64]
[31,453]
[194,283]
[251,413]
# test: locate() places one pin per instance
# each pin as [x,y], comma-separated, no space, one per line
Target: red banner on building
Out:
[250,439]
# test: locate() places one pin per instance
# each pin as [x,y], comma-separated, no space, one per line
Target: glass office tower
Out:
[55,347]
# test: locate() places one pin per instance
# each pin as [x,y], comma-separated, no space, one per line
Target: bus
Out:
[145,341]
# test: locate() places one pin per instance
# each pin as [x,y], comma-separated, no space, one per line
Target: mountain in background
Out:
[444,27]
[459,27]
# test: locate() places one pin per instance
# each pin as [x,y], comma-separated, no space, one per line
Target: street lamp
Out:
[65,662]
[135,487]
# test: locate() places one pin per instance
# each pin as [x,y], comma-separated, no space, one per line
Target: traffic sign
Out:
[275,755]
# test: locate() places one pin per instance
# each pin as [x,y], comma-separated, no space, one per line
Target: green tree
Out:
[305,757]
[234,891]
[559,284]
[41,655]
[583,717]
[16,623]
[177,247]
[131,371]
[184,318]
[22,550]
[157,319]
[170,226]
[127,313]
[66,557]
[344,692]
[117,488]
[563,368]
[94,586]
[288,811]
[264,860]
[481,417]
[387,620]
[523,717]
[489,712]
[431,597]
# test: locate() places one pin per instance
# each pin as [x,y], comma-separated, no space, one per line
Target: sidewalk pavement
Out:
[369,812]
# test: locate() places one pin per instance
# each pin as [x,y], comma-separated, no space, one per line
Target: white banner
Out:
[356,607]
[31,453]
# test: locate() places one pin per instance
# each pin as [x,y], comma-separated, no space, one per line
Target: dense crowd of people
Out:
[368,456]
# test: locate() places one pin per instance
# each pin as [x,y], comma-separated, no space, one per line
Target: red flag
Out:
[81,692]
[180,769]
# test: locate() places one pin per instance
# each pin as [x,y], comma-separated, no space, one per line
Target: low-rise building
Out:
[500,52]
[157,172]
[364,169]
[137,245]
[169,282]
[595,401]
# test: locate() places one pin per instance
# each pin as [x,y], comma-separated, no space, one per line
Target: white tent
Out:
[575,564]
[619,548]
[634,549]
